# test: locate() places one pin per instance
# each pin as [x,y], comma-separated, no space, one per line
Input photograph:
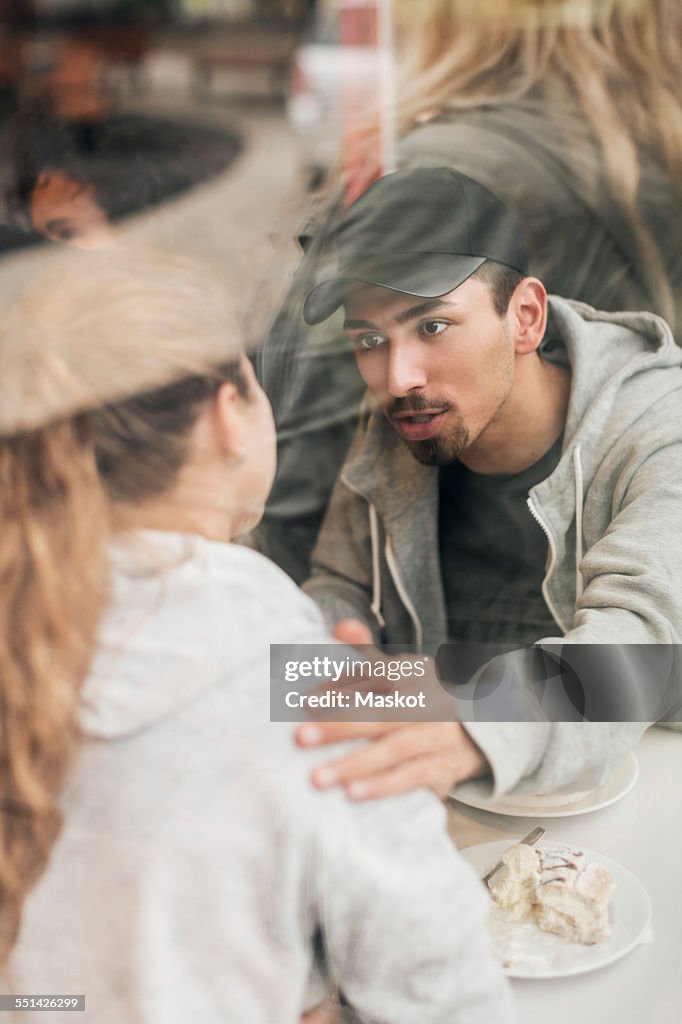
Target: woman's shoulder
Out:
[157,554]
[205,578]
[244,572]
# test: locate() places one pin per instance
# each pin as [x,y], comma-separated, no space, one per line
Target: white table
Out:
[643,832]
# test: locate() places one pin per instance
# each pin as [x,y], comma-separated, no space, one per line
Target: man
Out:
[518,479]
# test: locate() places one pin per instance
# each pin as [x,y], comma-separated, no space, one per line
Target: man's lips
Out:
[418,426]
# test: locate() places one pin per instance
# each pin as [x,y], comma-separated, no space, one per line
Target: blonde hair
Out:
[619,59]
[137,346]
[52,516]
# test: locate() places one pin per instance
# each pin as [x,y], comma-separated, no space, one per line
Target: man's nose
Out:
[405,370]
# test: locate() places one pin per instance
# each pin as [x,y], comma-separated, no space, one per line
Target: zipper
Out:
[552,563]
[578,474]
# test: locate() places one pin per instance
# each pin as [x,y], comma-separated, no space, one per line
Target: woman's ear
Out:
[228,423]
[528,308]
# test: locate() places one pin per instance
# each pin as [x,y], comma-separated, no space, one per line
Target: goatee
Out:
[439,451]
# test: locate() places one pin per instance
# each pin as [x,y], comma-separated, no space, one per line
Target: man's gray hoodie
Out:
[611,511]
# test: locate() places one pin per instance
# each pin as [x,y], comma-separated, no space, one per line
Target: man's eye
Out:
[434,327]
[368,341]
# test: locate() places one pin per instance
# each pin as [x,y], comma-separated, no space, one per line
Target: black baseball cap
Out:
[422,232]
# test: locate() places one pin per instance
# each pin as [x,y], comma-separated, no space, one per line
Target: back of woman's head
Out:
[102,375]
[107,327]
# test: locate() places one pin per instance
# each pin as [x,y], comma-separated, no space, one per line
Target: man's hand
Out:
[328,1012]
[400,756]
[353,632]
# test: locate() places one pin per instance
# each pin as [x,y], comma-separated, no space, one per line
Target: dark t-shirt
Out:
[493,555]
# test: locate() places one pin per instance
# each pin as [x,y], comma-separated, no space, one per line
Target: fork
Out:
[529,840]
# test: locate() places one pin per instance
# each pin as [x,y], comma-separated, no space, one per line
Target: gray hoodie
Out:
[199,876]
[610,510]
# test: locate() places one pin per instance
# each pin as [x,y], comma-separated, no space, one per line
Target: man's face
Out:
[441,369]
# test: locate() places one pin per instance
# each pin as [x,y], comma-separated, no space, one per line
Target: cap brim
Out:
[426,275]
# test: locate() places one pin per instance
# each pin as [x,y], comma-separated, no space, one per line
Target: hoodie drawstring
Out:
[578,473]
[376,569]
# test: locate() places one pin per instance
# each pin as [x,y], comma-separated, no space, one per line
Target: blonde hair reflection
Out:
[619,59]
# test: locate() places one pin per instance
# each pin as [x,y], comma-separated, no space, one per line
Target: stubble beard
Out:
[440,451]
[434,451]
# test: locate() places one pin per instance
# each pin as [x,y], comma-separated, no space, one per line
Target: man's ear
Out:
[528,310]
[228,423]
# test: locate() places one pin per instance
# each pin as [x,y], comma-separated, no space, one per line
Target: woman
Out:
[162,851]
[571,112]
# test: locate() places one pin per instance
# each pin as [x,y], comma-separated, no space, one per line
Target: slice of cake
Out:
[558,887]
[575,903]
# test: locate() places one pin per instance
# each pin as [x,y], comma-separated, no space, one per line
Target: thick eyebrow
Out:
[425,307]
[359,325]
[402,318]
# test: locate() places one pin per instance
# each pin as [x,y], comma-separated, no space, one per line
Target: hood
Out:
[614,359]
[184,614]
[626,391]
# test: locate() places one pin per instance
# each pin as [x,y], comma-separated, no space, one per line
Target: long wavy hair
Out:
[61,485]
[617,60]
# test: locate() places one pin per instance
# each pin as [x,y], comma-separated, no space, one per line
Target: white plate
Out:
[528,952]
[559,805]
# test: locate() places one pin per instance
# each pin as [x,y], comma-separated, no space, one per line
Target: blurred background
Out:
[197,125]
[205,126]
